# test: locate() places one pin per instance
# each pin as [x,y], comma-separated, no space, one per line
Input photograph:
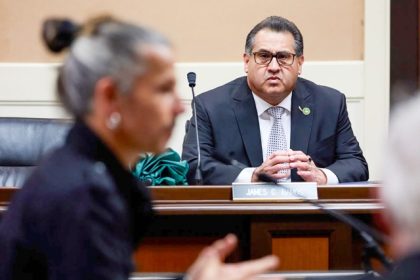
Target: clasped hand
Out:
[279,164]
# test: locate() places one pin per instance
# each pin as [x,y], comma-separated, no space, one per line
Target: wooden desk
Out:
[304,237]
[275,275]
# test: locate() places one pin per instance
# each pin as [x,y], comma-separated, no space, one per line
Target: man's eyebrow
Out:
[265,50]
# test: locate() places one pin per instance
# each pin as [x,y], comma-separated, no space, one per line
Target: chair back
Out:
[23,143]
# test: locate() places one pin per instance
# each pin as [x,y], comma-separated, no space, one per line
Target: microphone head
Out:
[191,76]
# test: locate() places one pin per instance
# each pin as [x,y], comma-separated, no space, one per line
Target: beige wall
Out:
[202,31]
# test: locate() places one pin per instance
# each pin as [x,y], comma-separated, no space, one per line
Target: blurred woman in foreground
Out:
[81,214]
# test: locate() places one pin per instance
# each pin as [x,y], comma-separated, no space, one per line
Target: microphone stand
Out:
[198,177]
[368,235]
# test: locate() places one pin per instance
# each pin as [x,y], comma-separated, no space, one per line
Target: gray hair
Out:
[112,49]
[401,190]
[277,24]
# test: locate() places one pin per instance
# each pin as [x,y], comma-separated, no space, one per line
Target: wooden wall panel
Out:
[331,238]
[182,250]
[302,253]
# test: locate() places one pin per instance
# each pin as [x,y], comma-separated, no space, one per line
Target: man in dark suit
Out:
[273,121]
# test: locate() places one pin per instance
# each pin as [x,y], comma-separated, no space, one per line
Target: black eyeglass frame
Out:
[276,56]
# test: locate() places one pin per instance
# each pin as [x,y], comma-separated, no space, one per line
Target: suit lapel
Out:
[301,123]
[247,118]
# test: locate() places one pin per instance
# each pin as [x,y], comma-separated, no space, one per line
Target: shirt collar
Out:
[262,105]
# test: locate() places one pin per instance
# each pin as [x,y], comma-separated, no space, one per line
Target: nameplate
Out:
[274,192]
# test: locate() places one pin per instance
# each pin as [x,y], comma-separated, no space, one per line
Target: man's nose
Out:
[274,66]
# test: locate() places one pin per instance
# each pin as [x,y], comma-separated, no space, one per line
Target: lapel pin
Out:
[305,110]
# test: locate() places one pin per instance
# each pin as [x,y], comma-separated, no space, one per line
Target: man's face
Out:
[151,108]
[272,82]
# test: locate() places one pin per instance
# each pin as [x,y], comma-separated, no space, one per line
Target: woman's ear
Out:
[106,96]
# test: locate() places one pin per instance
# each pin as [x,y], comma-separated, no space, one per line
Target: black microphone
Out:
[191,76]
[198,177]
[369,235]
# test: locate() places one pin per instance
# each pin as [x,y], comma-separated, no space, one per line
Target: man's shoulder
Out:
[314,88]
[224,90]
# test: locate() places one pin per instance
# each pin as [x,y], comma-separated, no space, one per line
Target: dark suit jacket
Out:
[228,123]
[79,216]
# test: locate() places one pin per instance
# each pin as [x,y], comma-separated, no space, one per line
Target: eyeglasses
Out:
[265,58]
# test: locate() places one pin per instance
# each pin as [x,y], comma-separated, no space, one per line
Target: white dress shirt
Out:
[266,122]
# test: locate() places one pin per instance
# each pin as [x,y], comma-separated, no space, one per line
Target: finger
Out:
[275,176]
[278,167]
[279,153]
[225,246]
[280,175]
[306,175]
[266,167]
[292,152]
[310,160]
[251,268]
[275,159]
[299,157]
[301,165]
[206,256]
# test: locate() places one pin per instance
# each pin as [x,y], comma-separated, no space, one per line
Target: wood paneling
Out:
[179,253]
[346,192]
[332,237]
[297,253]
